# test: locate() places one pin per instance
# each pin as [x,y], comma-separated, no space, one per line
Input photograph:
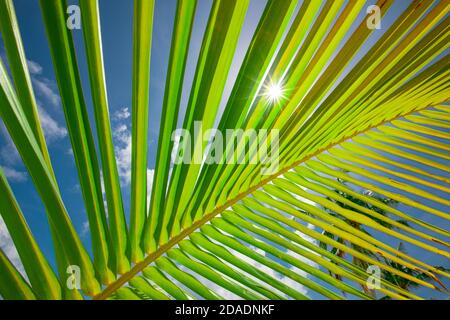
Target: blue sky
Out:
[116,24]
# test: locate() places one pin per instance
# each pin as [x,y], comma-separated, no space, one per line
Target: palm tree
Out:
[215,227]
[357,203]
[402,282]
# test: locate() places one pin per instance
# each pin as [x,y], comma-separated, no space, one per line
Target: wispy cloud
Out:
[122,139]
[34,67]
[14,175]
[8,152]
[9,156]
[122,136]
[122,114]
[84,229]
[8,247]
[46,90]
[53,131]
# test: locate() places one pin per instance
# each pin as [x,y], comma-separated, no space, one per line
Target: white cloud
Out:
[122,137]
[123,153]
[122,114]
[8,247]
[122,134]
[10,158]
[8,152]
[52,130]
[76,188]
[122,140]
[84,229]
[46,89]
[14,175]
[34,67]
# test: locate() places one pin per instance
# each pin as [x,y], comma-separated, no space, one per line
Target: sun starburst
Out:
[274,92]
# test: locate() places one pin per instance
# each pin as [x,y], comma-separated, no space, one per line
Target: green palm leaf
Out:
[353,114]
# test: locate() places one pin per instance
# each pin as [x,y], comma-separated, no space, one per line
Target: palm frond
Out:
[349,119]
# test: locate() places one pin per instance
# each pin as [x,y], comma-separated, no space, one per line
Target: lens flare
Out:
[274,92]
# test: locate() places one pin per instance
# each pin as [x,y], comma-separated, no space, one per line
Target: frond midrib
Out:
[138,267]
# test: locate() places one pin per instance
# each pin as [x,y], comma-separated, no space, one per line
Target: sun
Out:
[274,92]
